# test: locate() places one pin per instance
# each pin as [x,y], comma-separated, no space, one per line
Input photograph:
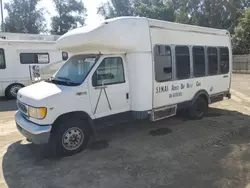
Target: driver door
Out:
[109,88]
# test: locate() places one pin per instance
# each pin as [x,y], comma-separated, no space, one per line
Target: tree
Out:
[115,8]
[70,14]
[228,13]
[241,38]
[24,17]
[221,14]
[157,9]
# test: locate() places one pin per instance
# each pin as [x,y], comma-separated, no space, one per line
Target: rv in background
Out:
[25,58]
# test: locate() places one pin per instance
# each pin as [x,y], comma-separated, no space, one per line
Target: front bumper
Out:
[35,133]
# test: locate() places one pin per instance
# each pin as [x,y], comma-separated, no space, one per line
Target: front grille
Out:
[22,108]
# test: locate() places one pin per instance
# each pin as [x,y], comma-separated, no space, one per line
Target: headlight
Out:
[38,113]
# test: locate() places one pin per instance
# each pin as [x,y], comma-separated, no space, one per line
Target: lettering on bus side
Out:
[178,94]
[176,87]
[161,89]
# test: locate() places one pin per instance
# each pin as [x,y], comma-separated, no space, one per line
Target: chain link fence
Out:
[241,63]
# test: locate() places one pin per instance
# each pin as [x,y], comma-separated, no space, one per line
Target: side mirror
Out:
[65,56]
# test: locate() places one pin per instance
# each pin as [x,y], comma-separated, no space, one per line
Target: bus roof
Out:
[122,34]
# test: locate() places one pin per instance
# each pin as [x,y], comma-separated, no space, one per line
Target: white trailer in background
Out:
[24,58]
[125,68]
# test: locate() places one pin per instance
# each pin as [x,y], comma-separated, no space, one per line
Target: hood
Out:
[38,92]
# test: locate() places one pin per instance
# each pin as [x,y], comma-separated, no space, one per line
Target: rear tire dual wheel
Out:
[11,91]
[198,108]
[69,137]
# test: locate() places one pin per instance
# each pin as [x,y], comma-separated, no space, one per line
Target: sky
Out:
[91,6]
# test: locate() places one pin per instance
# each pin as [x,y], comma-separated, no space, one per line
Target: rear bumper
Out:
[35,133]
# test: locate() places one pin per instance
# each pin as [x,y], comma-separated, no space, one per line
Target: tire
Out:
[69,137]
[198,108]
[11,91]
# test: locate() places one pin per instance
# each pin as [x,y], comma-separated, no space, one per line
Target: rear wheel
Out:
[198,108]
[69,137]
[11,91]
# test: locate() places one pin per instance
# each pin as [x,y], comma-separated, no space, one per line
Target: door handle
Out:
[226,76]
[127,95]
[81,93]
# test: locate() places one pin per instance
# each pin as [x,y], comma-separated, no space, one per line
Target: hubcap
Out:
[14,89]
[72,138]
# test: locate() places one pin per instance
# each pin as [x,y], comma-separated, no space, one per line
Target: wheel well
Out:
[203,94]
[78,115]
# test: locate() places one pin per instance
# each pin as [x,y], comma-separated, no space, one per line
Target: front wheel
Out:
[69,137]
[198,109]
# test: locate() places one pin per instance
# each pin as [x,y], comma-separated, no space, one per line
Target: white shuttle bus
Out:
[24,58]
[124,68]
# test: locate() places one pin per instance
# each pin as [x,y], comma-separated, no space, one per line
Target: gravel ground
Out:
[176,152]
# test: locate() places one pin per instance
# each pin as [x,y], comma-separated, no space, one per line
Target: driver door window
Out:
[109,72]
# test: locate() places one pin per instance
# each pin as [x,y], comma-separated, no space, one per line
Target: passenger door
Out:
[109,87]
[225,63]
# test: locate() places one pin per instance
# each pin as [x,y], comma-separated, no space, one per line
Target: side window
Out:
[2,59]
[182,58]
[34,58]
[110,71]
[199,61]
[163,63]
[212,56]
[224,60]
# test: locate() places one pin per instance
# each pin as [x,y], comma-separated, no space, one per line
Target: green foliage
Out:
[217,13]
[70,14]
[241,38]
[24,17]
[156,9]
[221,14]
[115,8]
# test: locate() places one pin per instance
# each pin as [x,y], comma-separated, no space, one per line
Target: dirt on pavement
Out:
[176,152]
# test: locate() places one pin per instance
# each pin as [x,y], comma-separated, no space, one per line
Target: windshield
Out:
[75,70]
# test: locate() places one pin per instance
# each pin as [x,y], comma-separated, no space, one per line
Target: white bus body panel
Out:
[178,91]
[141,83]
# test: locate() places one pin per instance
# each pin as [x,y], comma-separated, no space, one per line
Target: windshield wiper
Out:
[67,80]
[61,80]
